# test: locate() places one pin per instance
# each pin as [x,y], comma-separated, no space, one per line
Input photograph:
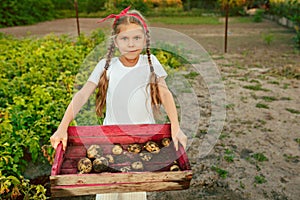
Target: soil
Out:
[257,154]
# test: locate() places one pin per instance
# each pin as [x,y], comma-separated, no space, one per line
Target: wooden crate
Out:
[66,181]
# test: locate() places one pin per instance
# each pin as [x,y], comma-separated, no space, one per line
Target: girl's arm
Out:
[170,108]
[79,99]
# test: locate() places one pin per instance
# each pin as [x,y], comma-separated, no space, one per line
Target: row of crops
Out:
[36,84]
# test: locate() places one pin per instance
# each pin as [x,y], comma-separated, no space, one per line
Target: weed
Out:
[274,82]
[258,16]
[230,106]
[268,38]
[223,135]
[291,158]
[254,81]
[260,157]
[191,75]
[229,156]
[261,105]
[260,179]
[222,173]
[297,140]
[286,98]
[242,185]
[257,87]
[286,86]
[269,98]
[291,110]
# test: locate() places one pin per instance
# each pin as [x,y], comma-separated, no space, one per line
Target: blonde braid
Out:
[103,81]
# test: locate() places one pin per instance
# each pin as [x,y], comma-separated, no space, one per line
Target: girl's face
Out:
[130,41]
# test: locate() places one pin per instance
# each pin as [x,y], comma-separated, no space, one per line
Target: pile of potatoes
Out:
[96,161]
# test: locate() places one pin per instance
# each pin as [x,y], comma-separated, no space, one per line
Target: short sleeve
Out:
[96,74]
[158,68]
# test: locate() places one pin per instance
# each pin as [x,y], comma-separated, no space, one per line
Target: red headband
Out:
[124,13]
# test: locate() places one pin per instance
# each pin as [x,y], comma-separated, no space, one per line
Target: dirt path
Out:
[257,155]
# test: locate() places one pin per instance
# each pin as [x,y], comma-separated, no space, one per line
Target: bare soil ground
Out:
[257,155]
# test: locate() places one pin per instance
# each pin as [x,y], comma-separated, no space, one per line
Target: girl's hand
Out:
[178,136]
[59,136]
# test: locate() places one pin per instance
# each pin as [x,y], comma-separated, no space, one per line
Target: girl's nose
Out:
[130,43]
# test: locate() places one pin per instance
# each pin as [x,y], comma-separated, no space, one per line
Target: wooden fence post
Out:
[77,20]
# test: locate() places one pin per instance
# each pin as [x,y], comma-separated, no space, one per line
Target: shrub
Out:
[22,12]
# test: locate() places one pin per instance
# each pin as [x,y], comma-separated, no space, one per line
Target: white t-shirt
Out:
[128,99]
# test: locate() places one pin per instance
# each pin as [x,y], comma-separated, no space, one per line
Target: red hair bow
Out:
[124,13]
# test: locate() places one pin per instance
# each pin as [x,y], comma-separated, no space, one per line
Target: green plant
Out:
[258,16]
[260,157]
[19,188]
[261,105]
[269,98]
[36,85]
[22,12]
[222,173]
[294,111]
[256,87]
[229,155]
[260,179]
[191,75]
[268,38]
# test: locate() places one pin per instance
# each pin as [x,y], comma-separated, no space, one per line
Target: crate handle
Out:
[59,154]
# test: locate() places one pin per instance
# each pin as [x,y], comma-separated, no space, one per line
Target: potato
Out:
[84,165]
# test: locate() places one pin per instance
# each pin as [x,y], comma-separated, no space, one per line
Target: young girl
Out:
[131,87]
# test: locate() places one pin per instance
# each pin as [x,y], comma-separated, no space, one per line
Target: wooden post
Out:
[226,24]
[77,20]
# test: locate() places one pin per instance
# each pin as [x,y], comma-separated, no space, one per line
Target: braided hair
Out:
[103,81]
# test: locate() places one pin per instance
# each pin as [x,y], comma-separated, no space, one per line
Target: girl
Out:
[131,87]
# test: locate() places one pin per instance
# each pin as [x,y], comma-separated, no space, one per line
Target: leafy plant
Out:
[261,105]
[294,111]
[268,38]
[222,173]
[260,157]
[256,87]
[19,188]
[36,85]
[229,155]
[258,16]
[260,179]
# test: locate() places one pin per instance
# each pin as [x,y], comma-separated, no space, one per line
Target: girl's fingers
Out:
[64,142]
[175,140]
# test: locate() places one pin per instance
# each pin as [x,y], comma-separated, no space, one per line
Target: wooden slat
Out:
[58,160]
[67,191]
[118,130]
[121,178]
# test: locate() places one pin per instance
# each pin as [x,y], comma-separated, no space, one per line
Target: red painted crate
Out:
[66,181]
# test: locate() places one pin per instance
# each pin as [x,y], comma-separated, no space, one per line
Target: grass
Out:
[293,111]
[260,157]
[269,98]
[229,155]
[257,87]
[260,179]
[191,75]
[261,105]
[212,20]
[222,173]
